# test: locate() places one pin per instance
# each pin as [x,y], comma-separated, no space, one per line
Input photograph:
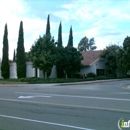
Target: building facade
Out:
[30,71]
[93,63]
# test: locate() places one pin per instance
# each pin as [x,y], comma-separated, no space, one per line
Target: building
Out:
[93,63]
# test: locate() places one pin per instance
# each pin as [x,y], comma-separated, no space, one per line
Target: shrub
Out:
[91,75]
[102,77]
[29,79]
[78,76]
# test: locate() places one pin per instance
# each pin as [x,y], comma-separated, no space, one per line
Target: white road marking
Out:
[72,96]
[66,105]
[33,96]
[122,93]
[44,122]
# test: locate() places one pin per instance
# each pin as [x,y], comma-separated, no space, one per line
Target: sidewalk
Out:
[63,84]
[91,82]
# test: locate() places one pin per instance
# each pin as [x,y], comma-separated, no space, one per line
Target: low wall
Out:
[40,73]
[53,72]
[30,71]
[0,72]
[52,75]
[13,70]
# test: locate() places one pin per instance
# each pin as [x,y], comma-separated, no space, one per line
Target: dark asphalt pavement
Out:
[96,106]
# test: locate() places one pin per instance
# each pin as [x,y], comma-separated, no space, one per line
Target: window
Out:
[100,72]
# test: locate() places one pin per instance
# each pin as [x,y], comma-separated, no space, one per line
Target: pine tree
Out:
[5,59]
[70,41]
[14,56]
[59,44]
[48,26]
[21,60]
[60,50]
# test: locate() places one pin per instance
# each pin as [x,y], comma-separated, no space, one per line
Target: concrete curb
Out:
[92,82]
[65,84]
[11,85]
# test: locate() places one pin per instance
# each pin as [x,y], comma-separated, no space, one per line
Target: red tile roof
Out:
[90,56]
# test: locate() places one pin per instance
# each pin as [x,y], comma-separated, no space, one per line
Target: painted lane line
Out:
[67,105]
[71,96]
[123,93]
[44,122]
[34,96]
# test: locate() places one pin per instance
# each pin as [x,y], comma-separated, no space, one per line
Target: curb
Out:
[92,82]
[71,83]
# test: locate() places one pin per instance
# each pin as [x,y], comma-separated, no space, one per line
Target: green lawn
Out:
[11,81]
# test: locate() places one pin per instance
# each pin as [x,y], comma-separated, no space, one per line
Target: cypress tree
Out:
[21,60]
[70,41]
[14,56]
[5,58]
[48,26]
[60,36]
[60,50]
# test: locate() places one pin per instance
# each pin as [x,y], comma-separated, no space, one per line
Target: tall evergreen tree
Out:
[48,26]
[5,58]
[14,56]
[70,41]
[21,60]
[60,51]
[59,44]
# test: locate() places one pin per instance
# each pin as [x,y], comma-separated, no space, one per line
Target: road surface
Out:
[97,106]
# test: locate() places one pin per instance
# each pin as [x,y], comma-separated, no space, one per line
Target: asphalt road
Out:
[97,106]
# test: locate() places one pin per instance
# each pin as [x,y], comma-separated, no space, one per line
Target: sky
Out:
[107,21]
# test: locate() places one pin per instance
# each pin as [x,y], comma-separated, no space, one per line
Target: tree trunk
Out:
[71,75]
[66,75]
[45,75]
[35,72]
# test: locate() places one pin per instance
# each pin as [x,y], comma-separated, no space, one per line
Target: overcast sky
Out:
[108,21]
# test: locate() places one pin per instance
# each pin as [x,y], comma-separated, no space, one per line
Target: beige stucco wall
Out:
[30,71]
[0,72]
[13,70]
[99,64]
[52,75]
[53,72]
[40,73]
[88,69]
